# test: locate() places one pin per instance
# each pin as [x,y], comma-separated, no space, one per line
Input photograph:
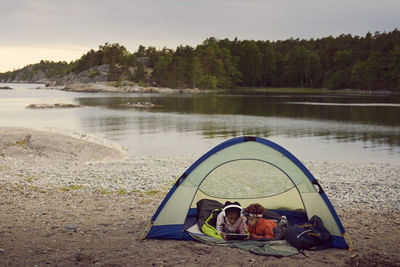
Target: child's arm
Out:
[219,224]
[266,229]
[269,231]
[259,237]
[253,233]
[243,226]
[223,235]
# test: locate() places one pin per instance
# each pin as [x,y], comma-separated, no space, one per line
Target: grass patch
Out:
[71,188]
[152,192]
[145,201]
[168,185]
[103,191]
[36,189]
[22,143]
[121,192]
[133,191]
[117,83]
[75,187]
[92,73]
[29,178]
[4,167]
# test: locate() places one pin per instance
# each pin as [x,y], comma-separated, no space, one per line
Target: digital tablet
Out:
[235,236]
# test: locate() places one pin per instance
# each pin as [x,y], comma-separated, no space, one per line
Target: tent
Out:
[249,170]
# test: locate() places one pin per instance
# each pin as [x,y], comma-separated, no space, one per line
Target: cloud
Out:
[90,23]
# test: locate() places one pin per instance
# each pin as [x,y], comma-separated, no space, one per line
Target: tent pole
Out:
[351,248]
[144,234]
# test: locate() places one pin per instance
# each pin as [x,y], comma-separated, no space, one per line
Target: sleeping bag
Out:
[207,212]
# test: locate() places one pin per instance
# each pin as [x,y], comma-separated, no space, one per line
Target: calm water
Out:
[340,127]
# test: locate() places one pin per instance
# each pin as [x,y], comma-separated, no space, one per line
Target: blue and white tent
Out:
[248,170]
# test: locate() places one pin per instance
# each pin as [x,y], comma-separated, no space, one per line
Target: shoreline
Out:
[131,87]
[110,87]
[369,187]
[52,159]
[64,210]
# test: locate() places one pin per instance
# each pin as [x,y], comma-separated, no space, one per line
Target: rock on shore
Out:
[54,146]
[139,105]
[126,87]
[56,105]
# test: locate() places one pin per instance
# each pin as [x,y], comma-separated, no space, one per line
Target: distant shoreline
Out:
[104,87]
[108,87]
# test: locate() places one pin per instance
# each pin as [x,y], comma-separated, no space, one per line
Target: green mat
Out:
[280,248]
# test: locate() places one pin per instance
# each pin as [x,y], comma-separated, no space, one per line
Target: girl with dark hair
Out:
[231,220]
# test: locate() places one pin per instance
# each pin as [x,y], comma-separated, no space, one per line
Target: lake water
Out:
[313,126]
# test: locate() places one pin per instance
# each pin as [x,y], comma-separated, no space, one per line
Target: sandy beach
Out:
[72,198]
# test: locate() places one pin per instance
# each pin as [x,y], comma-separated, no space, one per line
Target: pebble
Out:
[71,227]
[349,186]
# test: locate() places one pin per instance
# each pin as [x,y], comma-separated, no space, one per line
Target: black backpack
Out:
[314,236]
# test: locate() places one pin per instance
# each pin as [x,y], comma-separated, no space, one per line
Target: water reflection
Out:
[228,116]
[315,125]
[270,106]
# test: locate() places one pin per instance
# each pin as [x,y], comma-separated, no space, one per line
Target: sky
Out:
[64,30]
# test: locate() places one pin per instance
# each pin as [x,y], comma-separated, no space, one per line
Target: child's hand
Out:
[223,235]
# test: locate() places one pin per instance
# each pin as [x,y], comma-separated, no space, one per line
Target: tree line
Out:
[371,62]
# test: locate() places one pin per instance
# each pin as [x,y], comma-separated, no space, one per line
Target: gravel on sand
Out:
[76,198]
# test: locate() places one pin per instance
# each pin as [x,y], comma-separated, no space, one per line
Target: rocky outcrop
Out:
[93,75]
[29,74]
[92,80]
[57,105]
[92,87]
[52,146]
[139,105]
[125,87]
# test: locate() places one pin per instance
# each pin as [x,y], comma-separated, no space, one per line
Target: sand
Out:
[77,199]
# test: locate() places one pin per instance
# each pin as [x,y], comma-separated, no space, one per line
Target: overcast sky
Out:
[31,30]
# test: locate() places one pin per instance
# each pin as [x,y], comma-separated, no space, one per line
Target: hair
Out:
[232,209]
[255,208]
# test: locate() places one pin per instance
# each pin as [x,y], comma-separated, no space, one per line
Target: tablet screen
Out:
[234,236]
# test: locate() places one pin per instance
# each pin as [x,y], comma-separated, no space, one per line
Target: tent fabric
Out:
[248,170]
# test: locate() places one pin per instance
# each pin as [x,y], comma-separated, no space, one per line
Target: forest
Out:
[369,63]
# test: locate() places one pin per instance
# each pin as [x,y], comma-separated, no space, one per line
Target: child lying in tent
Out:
[259,228]
[231,220]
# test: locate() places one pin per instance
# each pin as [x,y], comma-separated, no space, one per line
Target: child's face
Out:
[253,220]
[232,217]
